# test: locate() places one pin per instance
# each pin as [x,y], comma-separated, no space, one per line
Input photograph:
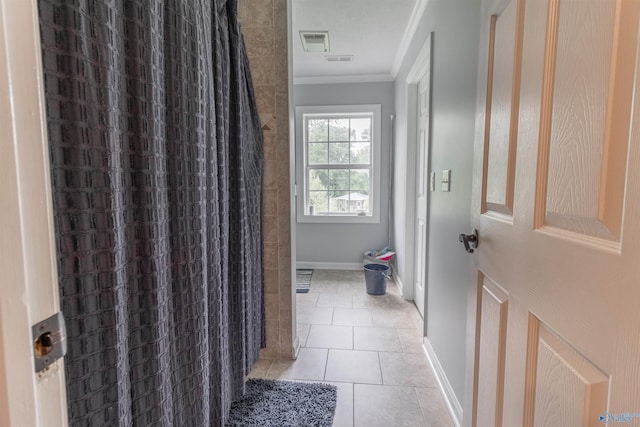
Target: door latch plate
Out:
[49,339]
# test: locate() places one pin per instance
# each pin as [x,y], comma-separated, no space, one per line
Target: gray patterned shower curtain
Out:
[156,162]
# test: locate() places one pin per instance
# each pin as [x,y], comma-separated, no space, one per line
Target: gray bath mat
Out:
[284,403]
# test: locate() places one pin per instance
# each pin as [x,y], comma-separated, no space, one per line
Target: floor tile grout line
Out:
[353,337]
[380,366]
[353,404]
[326,366]
[424,416]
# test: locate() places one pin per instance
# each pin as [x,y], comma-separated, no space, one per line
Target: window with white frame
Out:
[339,163]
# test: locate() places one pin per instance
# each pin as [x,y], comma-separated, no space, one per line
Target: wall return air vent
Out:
[315,41]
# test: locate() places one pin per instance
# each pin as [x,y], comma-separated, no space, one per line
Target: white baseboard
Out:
[455,409]
[407,293]
[330,265]
[397,279]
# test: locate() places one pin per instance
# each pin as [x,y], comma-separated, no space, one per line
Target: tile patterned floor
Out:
[370,347]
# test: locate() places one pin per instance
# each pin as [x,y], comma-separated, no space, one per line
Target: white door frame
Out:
[29,289]
[420,67]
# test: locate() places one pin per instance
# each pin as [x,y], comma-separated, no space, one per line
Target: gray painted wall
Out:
[345,243]
[456,25]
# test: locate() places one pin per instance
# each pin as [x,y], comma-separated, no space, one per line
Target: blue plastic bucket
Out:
[376,277]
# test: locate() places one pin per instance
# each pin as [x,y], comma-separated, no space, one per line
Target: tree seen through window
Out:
[338,164]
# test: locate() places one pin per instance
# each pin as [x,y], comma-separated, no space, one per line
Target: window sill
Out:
[337,219]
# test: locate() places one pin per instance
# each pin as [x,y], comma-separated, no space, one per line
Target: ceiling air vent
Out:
[338,58]
[315,41]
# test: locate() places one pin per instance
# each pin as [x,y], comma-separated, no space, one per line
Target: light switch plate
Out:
[432,181]
[446,180]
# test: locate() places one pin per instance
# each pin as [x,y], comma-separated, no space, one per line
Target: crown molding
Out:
[414,20]
[354,78]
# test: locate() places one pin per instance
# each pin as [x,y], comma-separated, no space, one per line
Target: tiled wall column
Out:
[264,25]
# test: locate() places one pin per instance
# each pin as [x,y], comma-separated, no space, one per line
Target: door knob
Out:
[470,241]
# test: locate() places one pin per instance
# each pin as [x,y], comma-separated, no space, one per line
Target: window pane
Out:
[361,129]
[360,153]
[358,202]
[318,153]
[339,202]
[339,180]
[318,202]
[317,129]
[318,180]
[338,153]
[360,181]
[339,130]
[338,166]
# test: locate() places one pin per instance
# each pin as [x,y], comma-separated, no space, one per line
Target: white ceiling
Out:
[375,32]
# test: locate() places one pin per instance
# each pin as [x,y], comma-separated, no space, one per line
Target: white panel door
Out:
[555,318]
[29,288]
[422,190]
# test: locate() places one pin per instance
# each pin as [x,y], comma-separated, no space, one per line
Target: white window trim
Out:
[376,162]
